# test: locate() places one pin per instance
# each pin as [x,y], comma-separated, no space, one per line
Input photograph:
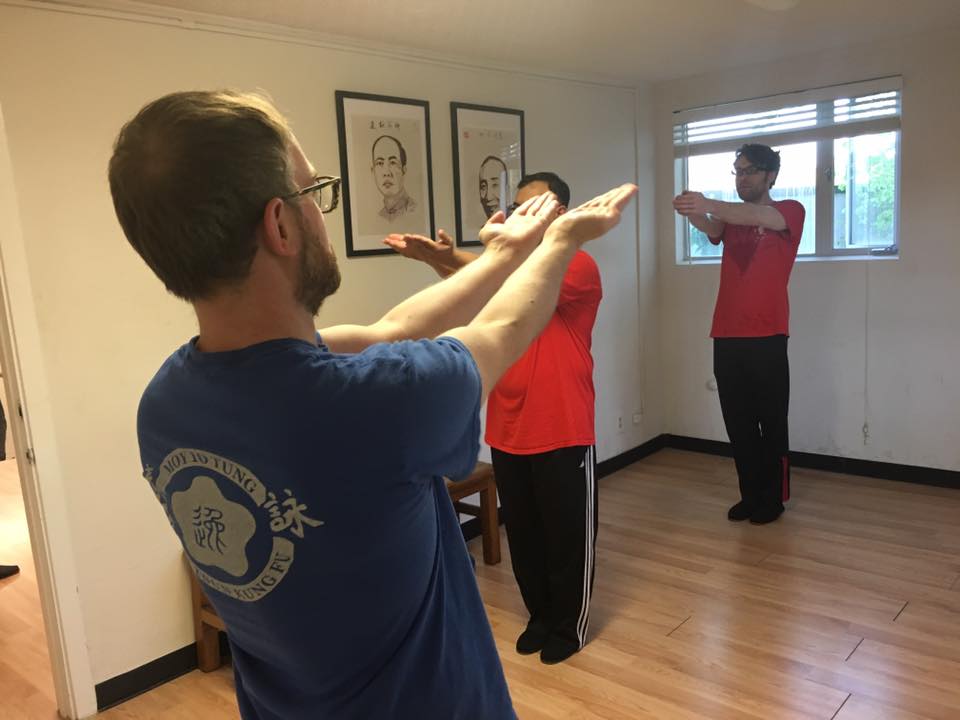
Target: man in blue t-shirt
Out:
[302,471]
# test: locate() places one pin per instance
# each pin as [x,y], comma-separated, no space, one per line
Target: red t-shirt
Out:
[545,400]
[754,272]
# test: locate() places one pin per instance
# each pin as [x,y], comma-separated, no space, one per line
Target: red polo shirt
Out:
[754,272]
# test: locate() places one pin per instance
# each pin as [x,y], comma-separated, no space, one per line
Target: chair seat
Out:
[480,479]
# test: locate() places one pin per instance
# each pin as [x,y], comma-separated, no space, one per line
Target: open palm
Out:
[420,247]
[595,217]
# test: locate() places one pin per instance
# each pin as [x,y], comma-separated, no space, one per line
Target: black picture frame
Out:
[366,124]
[474,153]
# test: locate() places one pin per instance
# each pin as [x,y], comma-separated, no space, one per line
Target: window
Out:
[839,150]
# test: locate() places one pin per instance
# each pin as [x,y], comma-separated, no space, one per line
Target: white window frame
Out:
[822,128]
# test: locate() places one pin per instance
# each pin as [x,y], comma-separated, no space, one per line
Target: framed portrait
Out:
[386,169]
[488,162]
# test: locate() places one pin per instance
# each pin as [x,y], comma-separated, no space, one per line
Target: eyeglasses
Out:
[327,191]
[748,170]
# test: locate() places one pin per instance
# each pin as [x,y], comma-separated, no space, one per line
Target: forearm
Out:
[459,259]
[519,311]
[712,228]
[742,213]
[454,301]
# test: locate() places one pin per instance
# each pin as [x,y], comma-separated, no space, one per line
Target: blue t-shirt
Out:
[307,490]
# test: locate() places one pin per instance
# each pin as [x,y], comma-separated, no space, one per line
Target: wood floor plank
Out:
[863,708]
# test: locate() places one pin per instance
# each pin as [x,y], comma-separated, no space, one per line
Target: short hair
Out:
[403,153]
[761,156]
[557,186]
[190,176]
[488,158]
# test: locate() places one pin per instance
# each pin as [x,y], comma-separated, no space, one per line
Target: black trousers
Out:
[549,506]
[753,381]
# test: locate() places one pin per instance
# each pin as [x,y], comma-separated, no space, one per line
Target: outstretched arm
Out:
[455,301]
[739,213]
[523,306]
[440,254]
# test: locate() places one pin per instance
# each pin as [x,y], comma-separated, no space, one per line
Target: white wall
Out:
[67,83]
[912,337]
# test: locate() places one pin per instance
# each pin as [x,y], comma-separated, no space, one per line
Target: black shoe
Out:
[741,511]
[556,650]
[765,515]
[8,571]
[531,640]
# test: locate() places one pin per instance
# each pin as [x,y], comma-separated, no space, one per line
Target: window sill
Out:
[845,258]
[800,259]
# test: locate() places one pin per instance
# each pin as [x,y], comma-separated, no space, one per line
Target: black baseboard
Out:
[155,673]
[146,677]
[916,474]
[708,447]
[618,462]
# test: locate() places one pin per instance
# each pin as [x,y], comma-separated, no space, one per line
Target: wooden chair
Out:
[207,624]
[480,481]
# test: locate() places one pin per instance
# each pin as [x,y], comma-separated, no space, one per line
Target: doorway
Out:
[31,490]
[25,662]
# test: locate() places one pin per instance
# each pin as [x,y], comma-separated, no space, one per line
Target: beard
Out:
[319,275]
[750,194]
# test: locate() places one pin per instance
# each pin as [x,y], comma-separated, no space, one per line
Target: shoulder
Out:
[409,360]
[581,281]
[173,365]
[793,214]
[415,378]
[167,385]
[583,259]
[791,207]
[583,267]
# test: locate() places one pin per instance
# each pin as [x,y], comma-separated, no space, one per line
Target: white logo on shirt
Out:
[216,530]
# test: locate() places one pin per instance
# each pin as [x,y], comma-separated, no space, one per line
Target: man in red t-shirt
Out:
[540,427]
[760,238]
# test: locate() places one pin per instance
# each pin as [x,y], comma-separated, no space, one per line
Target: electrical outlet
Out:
[620,423]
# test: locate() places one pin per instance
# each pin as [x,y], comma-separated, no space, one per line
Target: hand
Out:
[525,227]
[691,203]
[595,217]
[417,247]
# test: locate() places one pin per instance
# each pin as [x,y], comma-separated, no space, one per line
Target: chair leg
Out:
[208,648]
[489,525]
[207,636]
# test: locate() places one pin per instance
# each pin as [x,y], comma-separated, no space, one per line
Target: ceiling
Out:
[625,42]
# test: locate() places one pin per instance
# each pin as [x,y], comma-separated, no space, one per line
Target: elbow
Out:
[388,330]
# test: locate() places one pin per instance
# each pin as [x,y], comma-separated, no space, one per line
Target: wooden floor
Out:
[26,685]
[848,608]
